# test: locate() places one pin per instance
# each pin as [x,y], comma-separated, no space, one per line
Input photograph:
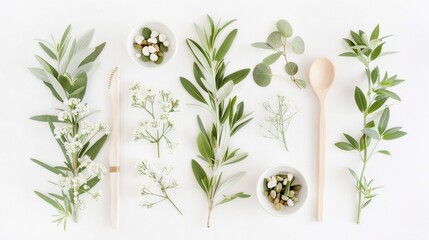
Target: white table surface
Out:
[400,212]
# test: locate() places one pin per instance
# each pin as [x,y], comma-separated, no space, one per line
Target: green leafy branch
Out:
[66,76]
[375,125]
[278,41]
[228,116]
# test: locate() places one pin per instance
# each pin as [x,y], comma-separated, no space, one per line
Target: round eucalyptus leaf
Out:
[291,68]
[262,75]
[284,28]
[275,40]
[298,45]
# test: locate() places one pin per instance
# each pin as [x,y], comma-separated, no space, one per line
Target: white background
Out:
[399,212]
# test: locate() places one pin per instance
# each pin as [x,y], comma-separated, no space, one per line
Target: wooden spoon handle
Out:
[321,163]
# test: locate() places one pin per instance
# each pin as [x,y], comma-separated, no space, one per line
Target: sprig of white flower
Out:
[159,108]
[277,123]
[159,180]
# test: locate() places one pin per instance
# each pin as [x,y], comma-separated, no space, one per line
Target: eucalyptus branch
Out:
[277,41]
[213,91]
[74,134]
[370,104]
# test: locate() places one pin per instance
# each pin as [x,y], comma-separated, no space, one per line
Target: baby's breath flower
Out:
[162,182]
[74,145]
[96,195]
[64,116]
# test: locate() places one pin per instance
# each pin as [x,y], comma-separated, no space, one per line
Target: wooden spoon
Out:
[322,74]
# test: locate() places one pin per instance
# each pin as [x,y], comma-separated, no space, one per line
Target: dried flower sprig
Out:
[158,107]
[227,117]
[278,122]
[79,139]
[370,104]
[161,181]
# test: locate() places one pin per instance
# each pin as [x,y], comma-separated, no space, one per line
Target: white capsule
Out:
[290,203]
[289,176]
[152,40]
[138,55]
[152,49]
[138,39]
[162,37]
[145,51]
[166,43]
[153,57]
[154,34]
[271,184]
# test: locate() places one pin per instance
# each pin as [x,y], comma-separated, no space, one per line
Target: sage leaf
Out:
[371,133]
[389,94]
[393,135]
[275,40]
[204,146]
[375,33]
[353,174]
[271,58]
[376,52]
[291,68]
[284,28]
[376,105]
[384,120]
[262,75]
[352,141]
[348,54]
[225,185]
[360,99]
[198,74]
[192,90]
[298,45]
[385,152]
[344,146]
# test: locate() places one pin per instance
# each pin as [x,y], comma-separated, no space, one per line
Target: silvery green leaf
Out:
[262,45]
[199,54]
[284,28]
[77,58]
[385,152]
[291,68]
[271,58]
[224,91]
[225,185]
[275,40]
[40,74]
[298,45]
[236,158]
[301,83]
[85,40]
[57,87]
[87,68]
[371,133]
[201,35]
[262,75]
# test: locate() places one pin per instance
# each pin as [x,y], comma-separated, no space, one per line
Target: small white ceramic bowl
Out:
[269,206]
[161,28]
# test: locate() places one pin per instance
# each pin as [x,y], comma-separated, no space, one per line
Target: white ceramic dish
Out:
[267,205]
[161,28]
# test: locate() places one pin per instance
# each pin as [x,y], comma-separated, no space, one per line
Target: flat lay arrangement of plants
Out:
[220,116]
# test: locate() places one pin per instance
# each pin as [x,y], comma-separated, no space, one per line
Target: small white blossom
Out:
[73,146]
[62,131]
[96,195]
